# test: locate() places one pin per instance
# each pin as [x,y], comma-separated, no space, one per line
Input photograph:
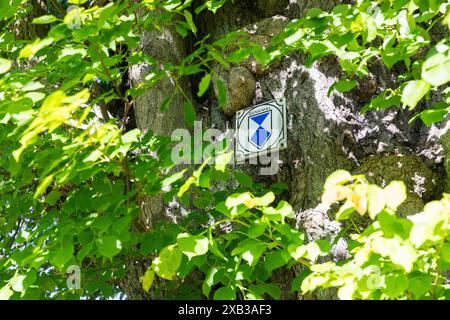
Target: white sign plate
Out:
[261,129]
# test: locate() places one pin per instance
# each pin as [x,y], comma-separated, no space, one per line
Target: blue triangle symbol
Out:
[260,136]
[259,119]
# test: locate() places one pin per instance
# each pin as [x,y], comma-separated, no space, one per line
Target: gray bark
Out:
[326,132]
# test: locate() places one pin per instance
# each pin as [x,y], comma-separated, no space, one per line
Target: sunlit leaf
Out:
[414,91]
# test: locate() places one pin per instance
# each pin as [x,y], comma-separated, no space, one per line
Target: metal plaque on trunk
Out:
[261,129]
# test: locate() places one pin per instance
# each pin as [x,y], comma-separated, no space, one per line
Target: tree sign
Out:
[261,129]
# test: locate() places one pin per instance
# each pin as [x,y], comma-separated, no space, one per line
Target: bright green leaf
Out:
[167,263]
[5,65]
[147,279]
[413,92]
[45,19]
[395,194]
[204,84]
[436,69]
[225,293]
[192,245]
[109,246]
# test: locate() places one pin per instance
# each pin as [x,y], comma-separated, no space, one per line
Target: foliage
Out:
[240,262]
[394,257]
[73,184]
[395,33]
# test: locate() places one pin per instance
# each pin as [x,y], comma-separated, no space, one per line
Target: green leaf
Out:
[181,29]
[343,85]
[190,21]
[375,197]
[244,179]
[147,279]
[225,293]
[391,56]
[45,19]
[428,225]
[430,116]
[283,210]
[345,211]
[261,55]
[413,92]
[22,282]
[109,246]
[382,101]
[222,93]
[231,212]
[395,194]
[5,293]
[317,248]
[173,178]
[406,23]
[60,256]
[5,65]
[391,225]
[419,285]
[293,236]
[191,245]
[209,281]
[167,263]
[204,180]
[395,284]
[297,251]
[338,177]
[237,198]
[189,113]
[294,36]
[218,57]
[265,200]
[185,187]
[276,259]
[17,283]
[45,182]
[214,247]
[250,250]
[270,288]
[222,160]
[314,13]
[131,136]
[256,228]
[445,252]
[436,69]
[239,55]
[317,50]
[297,282]
[53,197]
[204,85]
[34,47]
[400,252]
[370,30]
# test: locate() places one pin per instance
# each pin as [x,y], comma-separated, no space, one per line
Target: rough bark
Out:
[23,28]
[165,47]
[325,132]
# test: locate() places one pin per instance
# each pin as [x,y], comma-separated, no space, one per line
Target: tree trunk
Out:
[23,28]
[325,132]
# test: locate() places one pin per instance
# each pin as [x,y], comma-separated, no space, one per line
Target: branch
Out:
[58,7]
